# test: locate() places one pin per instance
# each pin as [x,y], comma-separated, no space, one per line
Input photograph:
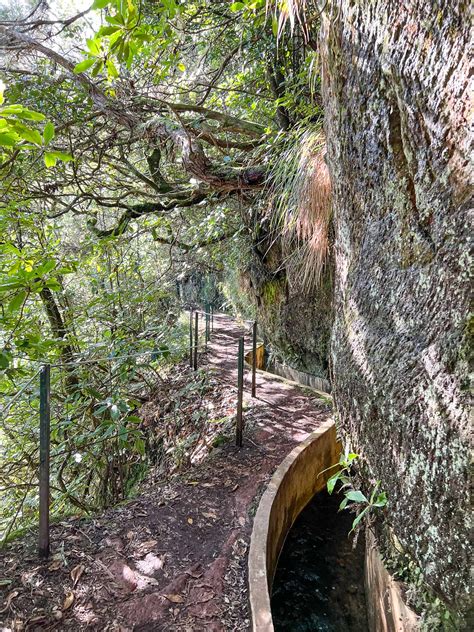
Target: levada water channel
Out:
[319,582]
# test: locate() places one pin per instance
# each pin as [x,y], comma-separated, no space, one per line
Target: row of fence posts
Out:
[45,411]
[194,333]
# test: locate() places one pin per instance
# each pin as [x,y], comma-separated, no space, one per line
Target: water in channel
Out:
[319,582]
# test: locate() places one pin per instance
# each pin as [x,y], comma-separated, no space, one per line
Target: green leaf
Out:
[237,6]
[97,68]
[4,360]
[95,393]
[108,30]
[8,139]
[100,4]
[381,500]
[48,133]
[16,302]
[331,484]
[53,284]
[274,26]
[359,518]
[46,267]
[6,286]
[15,109]
[356,496]
[31,115]
[49,159]
[94,46]
[28,133]
[83,65]
[343,504]
[61,155]
[139,446]
[111,69]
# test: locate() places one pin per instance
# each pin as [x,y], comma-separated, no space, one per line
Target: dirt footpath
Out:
[175,558]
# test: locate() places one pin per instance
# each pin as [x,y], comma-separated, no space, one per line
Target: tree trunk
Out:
[60,330]
[396,104]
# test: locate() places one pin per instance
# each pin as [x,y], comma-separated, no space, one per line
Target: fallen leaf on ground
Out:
[55,565]
[195,571]
[205,596]
[174,598]
[9,599]
[145,547]
[76,574]
[68,601]
[190,521]
[27,577]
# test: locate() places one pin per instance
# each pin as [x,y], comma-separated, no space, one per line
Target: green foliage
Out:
[18,134]
[355,499]
[435,615]
[102,218]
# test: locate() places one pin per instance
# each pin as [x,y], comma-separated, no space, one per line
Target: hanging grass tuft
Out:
[300,206]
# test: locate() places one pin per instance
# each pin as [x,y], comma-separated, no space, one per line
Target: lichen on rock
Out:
[396,107]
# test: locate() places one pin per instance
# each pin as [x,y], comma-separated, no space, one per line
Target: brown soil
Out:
[175,558]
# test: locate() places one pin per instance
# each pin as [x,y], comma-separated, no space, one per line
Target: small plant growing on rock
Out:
[354,498]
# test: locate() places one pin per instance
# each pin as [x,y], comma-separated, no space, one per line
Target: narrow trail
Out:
[294,412]
[175,558]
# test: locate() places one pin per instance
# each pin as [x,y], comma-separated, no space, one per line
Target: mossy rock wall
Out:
[395,82]
[296,324]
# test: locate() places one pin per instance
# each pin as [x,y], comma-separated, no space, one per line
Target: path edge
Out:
[296,480]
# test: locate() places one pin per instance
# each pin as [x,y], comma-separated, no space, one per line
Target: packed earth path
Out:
[175,557]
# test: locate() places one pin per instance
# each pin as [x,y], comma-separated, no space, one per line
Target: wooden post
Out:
[196,338]
[254,359]
[191,338]
[45,428]
[240,394]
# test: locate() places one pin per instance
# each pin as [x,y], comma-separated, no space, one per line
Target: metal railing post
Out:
[240,393]
[191,338]
[196,338]
[212,318]
[254,359]
[45,430]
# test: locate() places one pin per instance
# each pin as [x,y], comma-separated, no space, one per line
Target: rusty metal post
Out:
[191,338]
[240,394]
[196,339]
[45,430]
[254,359]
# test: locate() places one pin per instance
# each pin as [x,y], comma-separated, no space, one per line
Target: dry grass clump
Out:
[300,205]
[292,11]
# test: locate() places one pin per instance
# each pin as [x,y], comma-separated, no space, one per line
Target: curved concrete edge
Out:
[260,363]
[297,479]
[386,609]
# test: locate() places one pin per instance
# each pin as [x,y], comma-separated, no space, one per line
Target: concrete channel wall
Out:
[298,478]
[294,483]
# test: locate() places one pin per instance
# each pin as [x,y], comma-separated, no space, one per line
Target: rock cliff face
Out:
[395,79]
[296,323]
